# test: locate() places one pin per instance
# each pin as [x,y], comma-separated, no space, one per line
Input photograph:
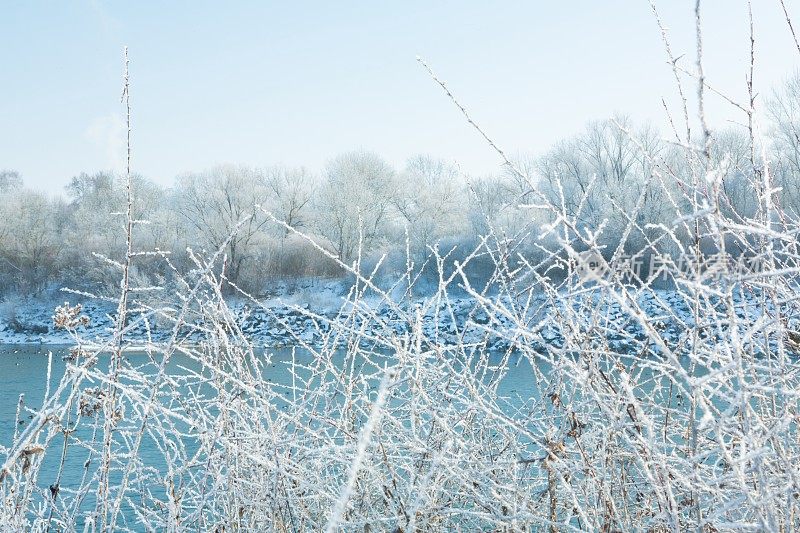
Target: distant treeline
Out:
[360,206]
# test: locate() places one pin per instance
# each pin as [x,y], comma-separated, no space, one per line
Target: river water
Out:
[24,371]
[24,368]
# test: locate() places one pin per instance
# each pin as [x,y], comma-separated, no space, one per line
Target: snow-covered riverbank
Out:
[291,321]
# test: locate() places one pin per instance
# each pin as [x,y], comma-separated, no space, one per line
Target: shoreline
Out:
[281,323]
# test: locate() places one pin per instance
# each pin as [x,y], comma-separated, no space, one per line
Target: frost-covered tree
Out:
[10,180]
[489,198]
[353,204]
[430,202]
[731,155]
[10,183]
[598,176]
[219,209]
[783,109]
[290,191]
[32,244]
[97,202]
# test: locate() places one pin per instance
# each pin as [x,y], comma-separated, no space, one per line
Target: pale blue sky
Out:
[298,82]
